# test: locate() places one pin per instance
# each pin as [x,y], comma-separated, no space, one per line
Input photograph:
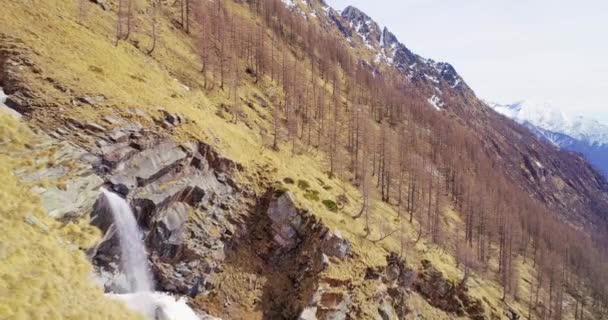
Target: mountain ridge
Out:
[576,133]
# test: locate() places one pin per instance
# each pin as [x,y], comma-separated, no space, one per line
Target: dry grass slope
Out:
[84,58]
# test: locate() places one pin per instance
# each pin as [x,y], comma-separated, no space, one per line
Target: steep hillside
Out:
[284,161]
[509,146]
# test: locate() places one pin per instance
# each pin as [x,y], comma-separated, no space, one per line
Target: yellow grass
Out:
[83,57]
[44,275]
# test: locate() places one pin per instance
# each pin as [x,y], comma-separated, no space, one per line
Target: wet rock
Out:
[9,111]
[18,102]
[168,236]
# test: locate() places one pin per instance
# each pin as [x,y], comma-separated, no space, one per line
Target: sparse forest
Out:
[375,130]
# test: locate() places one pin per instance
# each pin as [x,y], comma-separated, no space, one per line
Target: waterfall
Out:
[133,256]
[2,96]
[134,262]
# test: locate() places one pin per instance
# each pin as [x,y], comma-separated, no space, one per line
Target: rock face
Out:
[393,290]
[146,166]
[182,195]
[328,304]
[445,295]
[73,186]
[285,221]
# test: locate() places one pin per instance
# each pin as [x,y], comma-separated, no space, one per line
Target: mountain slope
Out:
[563,181]
[289,161]
[588,137]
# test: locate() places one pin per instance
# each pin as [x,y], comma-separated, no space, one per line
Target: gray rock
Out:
[118,135]
[115,153]
[148,165]
[386,311]
[112,120]
[77,199]
[92,100]
[17,102]
[33,221]
[336,246]
[285,220]
[309,313]
[94,127]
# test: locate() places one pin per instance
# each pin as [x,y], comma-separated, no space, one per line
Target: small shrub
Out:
[330,205]
[342,200]
[303,184]
[280,191]
[312,195]
[288,180]
[96,69]
[327,188]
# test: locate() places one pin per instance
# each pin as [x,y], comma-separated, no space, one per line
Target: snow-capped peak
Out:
[546,117]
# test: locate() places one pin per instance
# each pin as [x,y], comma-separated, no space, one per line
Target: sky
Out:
[545,51]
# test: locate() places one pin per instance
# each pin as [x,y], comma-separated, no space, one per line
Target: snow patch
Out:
[436,102]
[431,78]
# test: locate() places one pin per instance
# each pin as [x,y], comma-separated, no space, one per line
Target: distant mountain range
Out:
[575,133]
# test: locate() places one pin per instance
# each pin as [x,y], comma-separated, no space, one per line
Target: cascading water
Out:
[134,261]
[133,256]
[2,96]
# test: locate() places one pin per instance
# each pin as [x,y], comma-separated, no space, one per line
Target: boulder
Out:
[92,100]
[336,246]
[94,127]
[285,220]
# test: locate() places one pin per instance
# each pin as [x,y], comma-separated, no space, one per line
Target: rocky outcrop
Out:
[327,304]
[445,295]
[394,288]
[183,197]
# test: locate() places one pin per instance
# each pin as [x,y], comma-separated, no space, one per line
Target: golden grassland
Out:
[44,275]
[45,272]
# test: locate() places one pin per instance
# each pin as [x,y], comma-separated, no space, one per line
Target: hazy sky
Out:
[553,51]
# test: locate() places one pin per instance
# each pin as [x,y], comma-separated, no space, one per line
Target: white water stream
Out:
[2,96]
[134,265]
[133,256]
